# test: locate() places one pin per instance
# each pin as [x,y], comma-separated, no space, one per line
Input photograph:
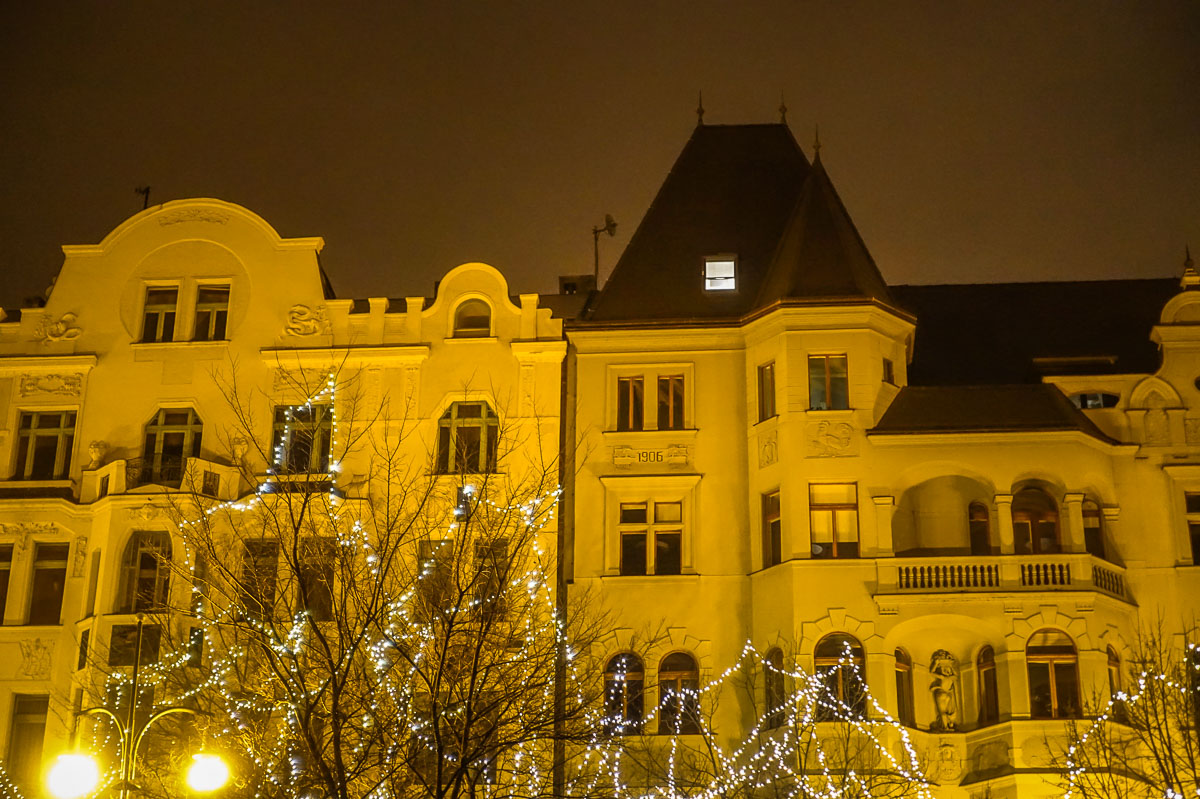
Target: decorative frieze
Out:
[22,532]
[32,385]
[768,449]
[830,439]
[63,329]
[193,215]
[626,457]
[35,659]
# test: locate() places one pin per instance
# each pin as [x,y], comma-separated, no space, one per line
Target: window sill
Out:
[632,437]
[472,340]
[654,579]
[832,412]
[163,350]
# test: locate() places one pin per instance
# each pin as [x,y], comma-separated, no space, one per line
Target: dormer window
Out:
[720,273]
[473,319]
[1091,400]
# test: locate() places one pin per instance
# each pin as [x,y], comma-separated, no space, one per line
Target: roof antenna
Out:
[610,227]
[1190,279]
[816,142]
[145,192]
[782,110]
[700,109]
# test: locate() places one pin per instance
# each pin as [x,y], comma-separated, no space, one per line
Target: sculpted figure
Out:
[944,688]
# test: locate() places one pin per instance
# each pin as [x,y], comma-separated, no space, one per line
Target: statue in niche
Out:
[944,688]
[96,451]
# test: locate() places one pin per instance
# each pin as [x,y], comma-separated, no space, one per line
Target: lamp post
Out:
[76,775]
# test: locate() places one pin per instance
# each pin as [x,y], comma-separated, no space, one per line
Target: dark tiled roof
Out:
[565,306]
[732,190]
[983,409]
[992,333]
[821,254]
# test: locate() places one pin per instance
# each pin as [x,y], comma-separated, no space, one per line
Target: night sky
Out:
[969,141]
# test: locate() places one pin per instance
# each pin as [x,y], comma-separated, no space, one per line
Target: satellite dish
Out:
[610,225]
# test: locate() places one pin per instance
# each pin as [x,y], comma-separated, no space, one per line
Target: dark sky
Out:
[970,141]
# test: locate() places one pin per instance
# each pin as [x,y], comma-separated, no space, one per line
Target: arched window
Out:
[678,695]
[980,529]
[145,572]
[472,319]
[1114,673]
[1035,522]
[1053,675]
[468,433]
[838,659]
[904,689]
[989,697]
[773,689]
[1093,528]
[624,687]
[172,436]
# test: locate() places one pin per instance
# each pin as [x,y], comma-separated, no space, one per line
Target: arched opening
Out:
[989,695]
[905,712]
[773,688]
[980,529]
[943,516]
[624,689]
[145,572]
[678,695]
[472,319]
[838,659]
[1035,522]
[1053,668]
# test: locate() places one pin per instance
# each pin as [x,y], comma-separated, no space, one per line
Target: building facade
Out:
[980,492]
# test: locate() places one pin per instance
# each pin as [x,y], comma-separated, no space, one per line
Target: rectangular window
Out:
[158,320]
[85,638]
[212,313]
[670,403]
[26,736]
[49,579]
[629,403]
[491,571]
[6,553]
[123,646]
[302,437]
[316,577]
[889,371]
[634,531]
[195,651]
[260,570]
[833,519]
[766,391]
[827,383]
[720,273]
[1193,522]
[433,587]
[772,530]
[651,544]
[44,444]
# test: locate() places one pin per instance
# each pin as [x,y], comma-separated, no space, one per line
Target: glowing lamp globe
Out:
[207,773]
[73,776]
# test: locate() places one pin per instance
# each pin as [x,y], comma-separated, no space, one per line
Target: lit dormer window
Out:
[720,273]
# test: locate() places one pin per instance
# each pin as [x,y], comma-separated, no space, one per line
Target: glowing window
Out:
[1053,676]
[840,666]
[720,273]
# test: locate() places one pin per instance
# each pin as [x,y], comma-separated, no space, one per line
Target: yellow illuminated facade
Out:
[747,460]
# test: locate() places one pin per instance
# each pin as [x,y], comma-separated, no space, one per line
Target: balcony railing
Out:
[1001,573]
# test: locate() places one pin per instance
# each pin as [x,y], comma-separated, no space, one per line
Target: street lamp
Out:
[76,775]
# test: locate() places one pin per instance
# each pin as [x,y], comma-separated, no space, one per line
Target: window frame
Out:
[774,689]
[26,443]
[258,578]
[979,529]
[318,431]
[154,436]
[157,545]
[624,694]
[1192,519]
[1051,660]
[214,316]
[651,529]
[847,677]
[37,609]
[674,409]
[450,426]
[829,381]
[772,529]
[316,576]
[458,330]
[165,315]
[712,283]
[631,396]
[767,398]
[833,508]
[905,696]
[989,686]
[1027,523]
[674,682]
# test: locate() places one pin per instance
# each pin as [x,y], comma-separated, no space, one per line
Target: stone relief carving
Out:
[768,449]
[305,321]
[60,385]
[677,455]
[96,451]
[948,763]
[64,329]
[145,513]
[79,556]
[238,447]
[193,215]
[990,755]
[1157,429]
[26,530]
[830,439]
[35,659]
[944,688]
[623,457]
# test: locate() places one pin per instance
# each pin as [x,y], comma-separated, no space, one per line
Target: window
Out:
[904,690]
[720,273]
[1035,523]
[491,572]
[833,519]
[651,546]
[468,437]
[774,695]
[44,444]
[766,391]
[838,659]
[85,640]
[434,556]
[26,736]
[889,371]
[1093,529]
[158,320]
[624,694]
[1120,710]
[6,553]
[49,578]
[979,527]
[315,577]
[123,646]
[1192,506]
[210,484]
[670,403]
[89,608]
[172,436]
[145,572]
[212,313]
[260,570]
[1053,676]
[195,648]
[629,403]
[1094,399]
[678,695]
[989,694]
[827,383]
[473,319]
[772,530]
[302,438]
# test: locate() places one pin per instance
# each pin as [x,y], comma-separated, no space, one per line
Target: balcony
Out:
[1001,574]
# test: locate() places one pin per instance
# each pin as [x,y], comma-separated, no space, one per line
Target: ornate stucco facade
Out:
[763,444]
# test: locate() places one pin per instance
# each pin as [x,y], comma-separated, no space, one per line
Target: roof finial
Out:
[700,109]
[782,110]
[816,142]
